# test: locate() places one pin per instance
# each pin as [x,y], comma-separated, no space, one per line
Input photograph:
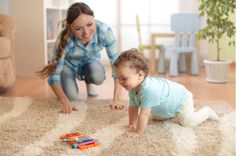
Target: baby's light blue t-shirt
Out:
[163,96]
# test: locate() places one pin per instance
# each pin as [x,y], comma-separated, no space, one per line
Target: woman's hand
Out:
[116,105]
[67,107]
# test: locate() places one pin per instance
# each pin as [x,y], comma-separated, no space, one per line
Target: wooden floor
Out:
[202,90]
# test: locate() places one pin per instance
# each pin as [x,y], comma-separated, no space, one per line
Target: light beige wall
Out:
[29,45]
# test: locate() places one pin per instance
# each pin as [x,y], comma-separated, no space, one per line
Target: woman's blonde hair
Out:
[73,12]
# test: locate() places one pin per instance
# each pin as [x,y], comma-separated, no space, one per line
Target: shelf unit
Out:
[37,29]
[55,12]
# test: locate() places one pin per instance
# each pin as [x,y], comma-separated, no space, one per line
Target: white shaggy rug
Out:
[32,126]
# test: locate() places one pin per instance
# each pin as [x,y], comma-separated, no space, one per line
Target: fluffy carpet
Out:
[32,126]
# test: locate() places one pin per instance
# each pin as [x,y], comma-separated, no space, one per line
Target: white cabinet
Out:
[36,30]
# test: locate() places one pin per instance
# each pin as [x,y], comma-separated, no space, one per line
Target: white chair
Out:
[185,26]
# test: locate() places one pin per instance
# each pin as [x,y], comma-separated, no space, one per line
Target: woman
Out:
[76,55]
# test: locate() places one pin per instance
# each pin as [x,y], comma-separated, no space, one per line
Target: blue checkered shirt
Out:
[75,54]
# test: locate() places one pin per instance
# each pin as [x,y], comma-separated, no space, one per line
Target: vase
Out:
[217,71]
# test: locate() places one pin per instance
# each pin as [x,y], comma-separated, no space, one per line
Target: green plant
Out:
[218,23]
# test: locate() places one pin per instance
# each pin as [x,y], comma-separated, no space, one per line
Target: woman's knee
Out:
[96,79]
[94,73]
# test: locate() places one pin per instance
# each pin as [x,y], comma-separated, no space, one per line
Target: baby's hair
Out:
[73,12]
[134,58]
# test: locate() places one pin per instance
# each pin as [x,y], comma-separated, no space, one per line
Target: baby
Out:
[158,96]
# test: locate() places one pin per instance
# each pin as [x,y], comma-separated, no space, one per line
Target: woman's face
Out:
[83,27]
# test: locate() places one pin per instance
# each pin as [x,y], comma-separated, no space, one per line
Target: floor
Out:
[202,90]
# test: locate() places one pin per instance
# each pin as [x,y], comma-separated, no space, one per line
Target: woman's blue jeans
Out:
[92,73]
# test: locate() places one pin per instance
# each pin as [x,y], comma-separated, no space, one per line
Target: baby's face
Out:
[128,78]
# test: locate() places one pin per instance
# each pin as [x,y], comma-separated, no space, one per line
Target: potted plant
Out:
[218,24]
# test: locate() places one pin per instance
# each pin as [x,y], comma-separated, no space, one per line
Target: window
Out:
[154,15]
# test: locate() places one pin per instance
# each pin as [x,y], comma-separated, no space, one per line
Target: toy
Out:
[79,141]
[70,136]
[83,145]
[74,136]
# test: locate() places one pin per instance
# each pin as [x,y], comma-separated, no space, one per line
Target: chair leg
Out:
[161,61]
[182,62]
[173,69]
[194,64]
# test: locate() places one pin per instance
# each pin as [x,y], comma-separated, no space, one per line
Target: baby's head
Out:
[133,59]
[131,68]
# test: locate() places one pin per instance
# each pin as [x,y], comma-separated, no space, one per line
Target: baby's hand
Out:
[132,134]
